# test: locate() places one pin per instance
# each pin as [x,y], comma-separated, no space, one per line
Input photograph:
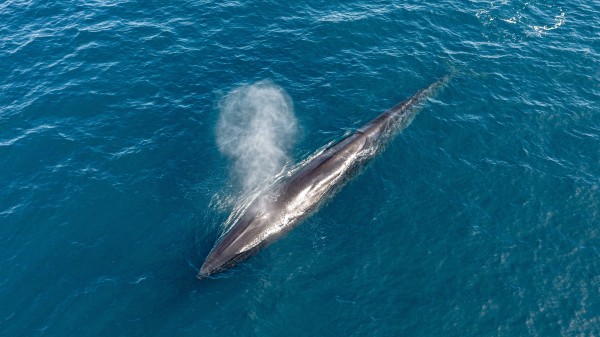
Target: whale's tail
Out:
[401,115]
[433,88]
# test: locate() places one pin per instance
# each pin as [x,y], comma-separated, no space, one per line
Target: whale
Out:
[288,201]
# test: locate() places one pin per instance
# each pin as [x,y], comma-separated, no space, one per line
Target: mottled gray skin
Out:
[283,206]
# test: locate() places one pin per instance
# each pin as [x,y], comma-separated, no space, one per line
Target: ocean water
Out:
[482,218]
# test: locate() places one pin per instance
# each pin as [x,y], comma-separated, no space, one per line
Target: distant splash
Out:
[530,18]
[558,21]
[256,128]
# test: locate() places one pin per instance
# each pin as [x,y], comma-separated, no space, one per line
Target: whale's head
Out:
[221,259]
[251,232]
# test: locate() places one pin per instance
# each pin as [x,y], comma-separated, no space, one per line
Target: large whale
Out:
[283,205]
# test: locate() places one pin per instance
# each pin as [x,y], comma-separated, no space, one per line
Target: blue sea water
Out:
[481,219]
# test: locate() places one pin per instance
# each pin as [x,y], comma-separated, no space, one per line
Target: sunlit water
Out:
[481,218]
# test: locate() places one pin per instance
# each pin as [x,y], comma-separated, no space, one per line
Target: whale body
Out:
[286,203]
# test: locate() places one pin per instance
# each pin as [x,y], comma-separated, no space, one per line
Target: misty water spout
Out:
[256,128]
